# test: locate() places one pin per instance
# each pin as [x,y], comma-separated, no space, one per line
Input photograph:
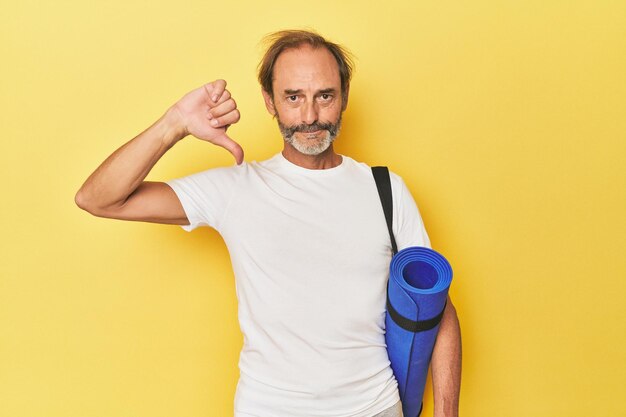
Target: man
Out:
[306,234]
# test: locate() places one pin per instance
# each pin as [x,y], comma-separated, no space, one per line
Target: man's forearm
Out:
[446,365]
[122,172]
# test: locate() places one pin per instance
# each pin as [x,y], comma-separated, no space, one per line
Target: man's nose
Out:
[309,113]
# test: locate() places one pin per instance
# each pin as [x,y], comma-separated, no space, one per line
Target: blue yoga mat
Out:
[419,279]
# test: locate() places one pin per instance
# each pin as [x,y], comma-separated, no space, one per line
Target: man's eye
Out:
[326,96]
[292,98]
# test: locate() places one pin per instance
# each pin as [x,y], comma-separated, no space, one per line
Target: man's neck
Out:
[325,160]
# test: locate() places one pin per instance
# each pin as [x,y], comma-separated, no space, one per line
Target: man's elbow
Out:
[450,320]
[450,309]
[86,203]
[82,201]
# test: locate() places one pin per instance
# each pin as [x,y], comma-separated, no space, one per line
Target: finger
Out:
[231,146]
[224,97]
[215,89]
[227,119]
[222,109]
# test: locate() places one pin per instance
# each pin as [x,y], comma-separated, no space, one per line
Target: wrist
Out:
[446,410]
[173,127]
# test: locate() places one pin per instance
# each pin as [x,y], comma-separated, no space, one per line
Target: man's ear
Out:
[344,99]
[269,102]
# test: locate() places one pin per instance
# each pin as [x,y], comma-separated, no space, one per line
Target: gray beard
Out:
[314,147]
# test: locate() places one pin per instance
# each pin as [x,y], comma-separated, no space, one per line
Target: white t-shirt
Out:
[310,252]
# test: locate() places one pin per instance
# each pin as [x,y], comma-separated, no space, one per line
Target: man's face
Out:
[307,98]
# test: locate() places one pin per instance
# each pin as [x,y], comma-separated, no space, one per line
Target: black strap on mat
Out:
[412,325]
[383,183]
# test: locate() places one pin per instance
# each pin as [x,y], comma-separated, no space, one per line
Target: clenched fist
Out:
[206,113]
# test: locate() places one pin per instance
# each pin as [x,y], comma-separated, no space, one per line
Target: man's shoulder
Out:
[396,179]
[360,165]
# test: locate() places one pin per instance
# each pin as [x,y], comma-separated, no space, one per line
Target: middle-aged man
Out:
[306,234]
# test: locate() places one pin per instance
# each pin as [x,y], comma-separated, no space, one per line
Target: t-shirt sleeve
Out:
[408,227]
[205,195]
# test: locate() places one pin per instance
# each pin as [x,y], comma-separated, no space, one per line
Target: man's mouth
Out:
[310,135]
[315,132]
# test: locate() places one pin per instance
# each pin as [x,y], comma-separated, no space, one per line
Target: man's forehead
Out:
[306,64]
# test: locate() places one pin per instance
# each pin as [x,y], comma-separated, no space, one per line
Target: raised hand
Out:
[206,113]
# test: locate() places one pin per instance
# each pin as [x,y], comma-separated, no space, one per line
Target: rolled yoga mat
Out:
[419,279]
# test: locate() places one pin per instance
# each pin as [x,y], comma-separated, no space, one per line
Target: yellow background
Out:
[506,119]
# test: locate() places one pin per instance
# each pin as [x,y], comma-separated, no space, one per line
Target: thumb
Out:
[231,146]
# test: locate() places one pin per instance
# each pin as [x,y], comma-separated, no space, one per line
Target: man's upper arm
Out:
[153,202]
[198,199]
[409,228]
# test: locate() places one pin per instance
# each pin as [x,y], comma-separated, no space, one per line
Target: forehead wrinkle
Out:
[307,68]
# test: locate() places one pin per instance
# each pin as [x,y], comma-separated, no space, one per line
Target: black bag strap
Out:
[383,184]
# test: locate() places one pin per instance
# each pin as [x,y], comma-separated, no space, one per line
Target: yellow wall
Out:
[506,119]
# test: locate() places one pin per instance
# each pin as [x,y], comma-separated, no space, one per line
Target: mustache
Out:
[306,128]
